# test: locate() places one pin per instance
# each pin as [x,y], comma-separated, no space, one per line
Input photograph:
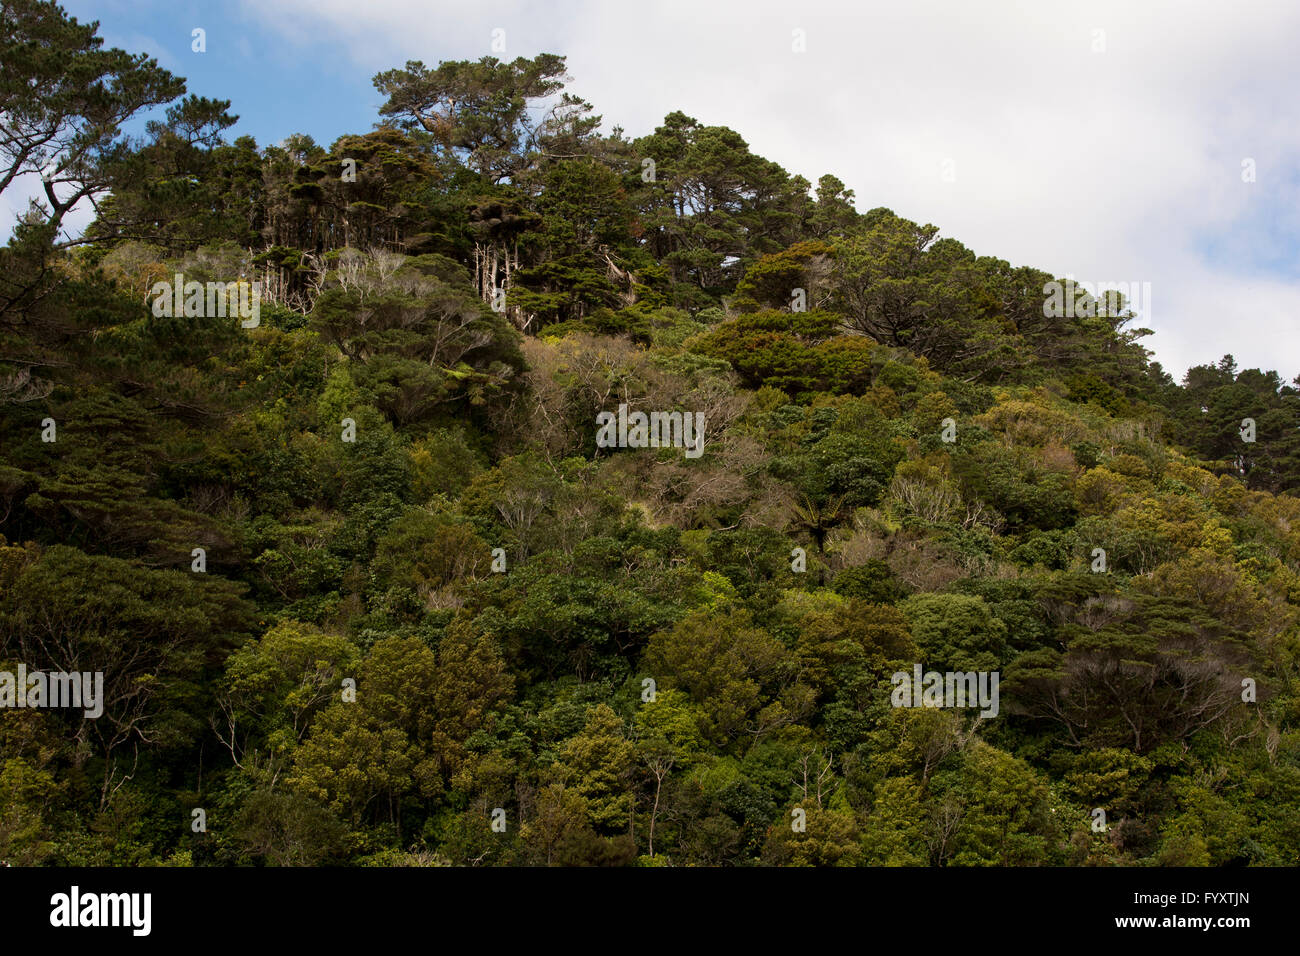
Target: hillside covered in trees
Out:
[366,587]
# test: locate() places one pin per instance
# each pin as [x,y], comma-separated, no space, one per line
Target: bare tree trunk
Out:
[507,285]
[654,812]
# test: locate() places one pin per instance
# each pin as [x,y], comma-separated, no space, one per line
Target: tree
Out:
[273,689]
[597,765]
[186,186]
[1006,815]
[830,838]
[370,753]
[903,286]
[64,99]
[416,335]
[713,206]
[470,685]
[288,830]
[473,112]
[956,632]
[559,834]
[723,666]
[1137,672]
[153,635]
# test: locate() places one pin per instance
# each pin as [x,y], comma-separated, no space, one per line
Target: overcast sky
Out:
[1100,140]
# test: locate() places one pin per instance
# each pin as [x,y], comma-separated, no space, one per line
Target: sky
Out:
[1153,143]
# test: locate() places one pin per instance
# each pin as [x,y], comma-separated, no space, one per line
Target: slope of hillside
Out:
[370,579]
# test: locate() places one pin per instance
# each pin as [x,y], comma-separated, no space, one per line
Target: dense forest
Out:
[366,586]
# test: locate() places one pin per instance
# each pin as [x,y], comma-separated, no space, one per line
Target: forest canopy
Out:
[365,588]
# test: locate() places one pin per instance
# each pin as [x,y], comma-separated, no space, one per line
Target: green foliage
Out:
[956,632]
[361,583]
